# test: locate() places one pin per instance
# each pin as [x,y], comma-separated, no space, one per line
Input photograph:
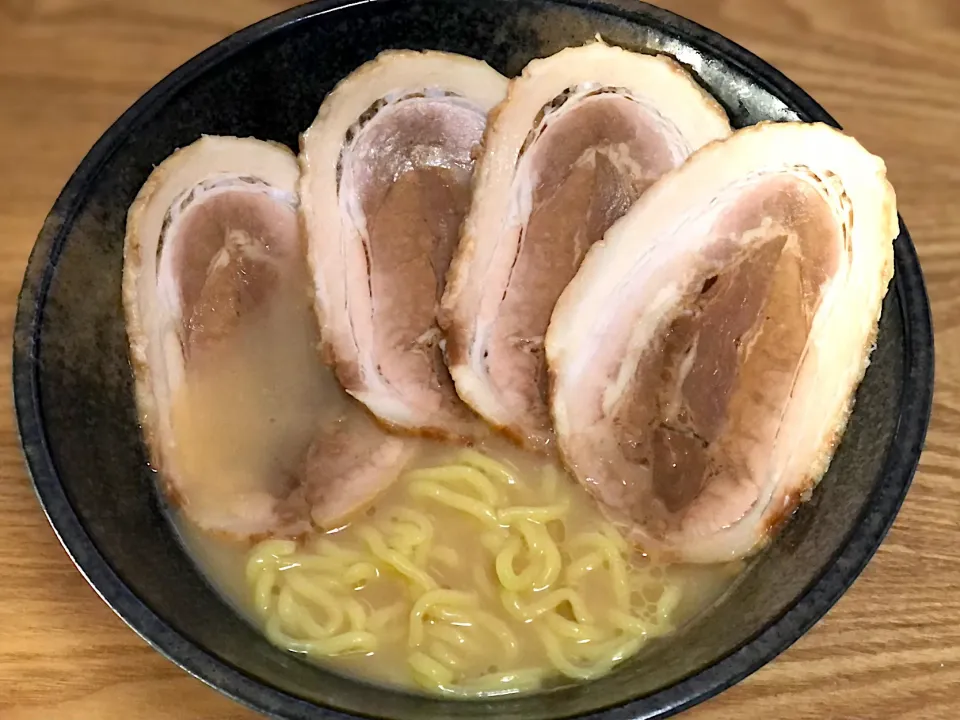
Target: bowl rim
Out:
[839,574]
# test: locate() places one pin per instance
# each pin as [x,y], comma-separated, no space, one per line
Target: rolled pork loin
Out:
[387,167]
[218,210]
[213,259]
[579,138]
[704,359]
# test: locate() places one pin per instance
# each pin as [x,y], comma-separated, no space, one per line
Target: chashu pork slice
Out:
[579,138]
[704,359]
[387,167]
[222,343]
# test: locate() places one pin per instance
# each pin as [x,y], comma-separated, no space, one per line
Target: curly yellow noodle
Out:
[296,618]
[453,615]
[544,564]
[255,565]
[267,554]
[322,580]
[444,655]
[526,580]
[460,477]
[289,613]
[310,589]
[428,672]
[554,651]
[631,624]
[348,642]
[471,617]
[276,635]
[320,563]
[406,538]
[449,634]
[395,560]
[544,514]
[581,566]
[618,578]
[324,546]
[458,501]
[493,684]
[540,543]
[608,653]
[399,544]
[423,528]
[435,599]
[263,591]
[668,601]
[356,614]
[531,611]
[275,549]
[598,667]
[359,574]
[488,466]
[613,559]
[581,632]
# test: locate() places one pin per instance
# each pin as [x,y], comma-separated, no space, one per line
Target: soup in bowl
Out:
[398,515]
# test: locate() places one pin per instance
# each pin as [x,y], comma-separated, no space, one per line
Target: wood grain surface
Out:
[889,70]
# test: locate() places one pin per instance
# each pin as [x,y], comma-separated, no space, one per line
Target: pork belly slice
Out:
[387,167]
[349,464]
[579,138]
[211,239]
[704,359]
[222,342]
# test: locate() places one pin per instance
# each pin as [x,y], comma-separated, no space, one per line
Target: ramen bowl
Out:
[78,422]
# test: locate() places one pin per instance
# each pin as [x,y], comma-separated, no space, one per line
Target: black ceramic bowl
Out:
[78,425]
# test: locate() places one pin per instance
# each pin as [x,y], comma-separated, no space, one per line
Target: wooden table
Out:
[889,70]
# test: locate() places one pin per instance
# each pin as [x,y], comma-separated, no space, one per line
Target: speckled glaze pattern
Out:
[74,395]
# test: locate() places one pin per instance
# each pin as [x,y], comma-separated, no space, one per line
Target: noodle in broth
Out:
[551,588]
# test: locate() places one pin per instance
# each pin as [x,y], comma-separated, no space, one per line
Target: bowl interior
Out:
[74,384]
